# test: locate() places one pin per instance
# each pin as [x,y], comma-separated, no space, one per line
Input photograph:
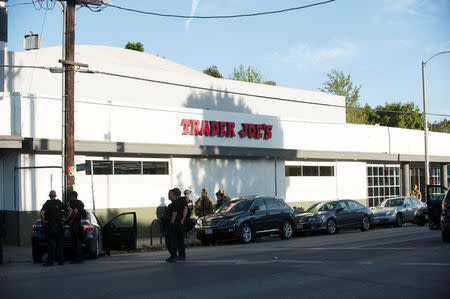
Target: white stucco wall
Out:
[236,96]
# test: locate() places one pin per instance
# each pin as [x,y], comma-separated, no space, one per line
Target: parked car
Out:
[118,234]
[330,216]
[438,203]
[245,218]
[396,210]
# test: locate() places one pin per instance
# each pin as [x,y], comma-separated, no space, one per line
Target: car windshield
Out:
[388,203]
[235,206]
[321,206]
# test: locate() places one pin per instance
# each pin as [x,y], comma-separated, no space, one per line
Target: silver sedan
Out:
[396,210]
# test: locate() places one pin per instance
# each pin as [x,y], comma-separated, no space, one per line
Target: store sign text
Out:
[225,129]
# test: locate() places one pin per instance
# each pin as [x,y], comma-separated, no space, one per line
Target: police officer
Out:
[203,205]
[221,198]
[52,215]
[76,231]
[187,195]
[177,212]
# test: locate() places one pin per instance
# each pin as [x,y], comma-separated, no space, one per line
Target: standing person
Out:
[76,231]
[52,215]
[177,212]
[221,198]
[203,205]
[416,193]
[187,195]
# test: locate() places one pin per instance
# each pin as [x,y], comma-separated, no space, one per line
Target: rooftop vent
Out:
[32,41]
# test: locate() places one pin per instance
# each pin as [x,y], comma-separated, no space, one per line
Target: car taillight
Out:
[88,228]
[36,227]
[444,205]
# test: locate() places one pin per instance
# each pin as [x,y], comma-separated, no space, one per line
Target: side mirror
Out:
[254,209]
[339,210]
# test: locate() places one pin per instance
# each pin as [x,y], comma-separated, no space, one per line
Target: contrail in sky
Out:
[193,9]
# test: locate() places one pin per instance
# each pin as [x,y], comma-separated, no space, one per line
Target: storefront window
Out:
[128,167]
[383,182]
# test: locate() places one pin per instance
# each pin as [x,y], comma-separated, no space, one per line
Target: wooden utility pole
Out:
[69,147]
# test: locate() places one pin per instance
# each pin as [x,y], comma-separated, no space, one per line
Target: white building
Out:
[176,127]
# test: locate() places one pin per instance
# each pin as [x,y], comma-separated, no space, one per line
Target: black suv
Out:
[245,218]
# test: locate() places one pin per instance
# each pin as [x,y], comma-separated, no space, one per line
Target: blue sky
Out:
[381,43]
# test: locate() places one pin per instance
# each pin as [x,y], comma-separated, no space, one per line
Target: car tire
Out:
[331,226]
[246,233]
[445,235]
[37,254]
[398,220]
[365,223]
[287,230]
[204,242]
[419,222]
[94,248]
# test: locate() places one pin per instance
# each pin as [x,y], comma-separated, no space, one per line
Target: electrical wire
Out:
[220,16]
[88,71]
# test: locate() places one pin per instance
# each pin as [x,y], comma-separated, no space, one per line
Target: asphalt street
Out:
[406,262]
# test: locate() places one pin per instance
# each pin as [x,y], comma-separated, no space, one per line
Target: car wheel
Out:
[398,220]
[37,254]
[246,233]
[365,224]
[445,235]
[331,226]
[287,230]
[94,248]
[419,222]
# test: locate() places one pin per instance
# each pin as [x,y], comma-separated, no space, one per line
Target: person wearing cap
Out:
[416,193]
[177,212]
[203,205]
[76,230]
[221,198]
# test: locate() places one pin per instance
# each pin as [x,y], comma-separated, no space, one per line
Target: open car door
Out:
[435,195]
[120,233]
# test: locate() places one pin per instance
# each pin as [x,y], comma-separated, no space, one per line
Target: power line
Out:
[217,17]
[58,70]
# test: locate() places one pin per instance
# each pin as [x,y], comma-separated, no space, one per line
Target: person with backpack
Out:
[52,215]
[76,230]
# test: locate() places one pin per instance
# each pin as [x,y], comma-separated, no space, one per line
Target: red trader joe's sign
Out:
[225,129]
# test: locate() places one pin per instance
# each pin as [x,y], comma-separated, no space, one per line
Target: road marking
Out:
[399,256]
[237,262]
[398,241]
[425,264]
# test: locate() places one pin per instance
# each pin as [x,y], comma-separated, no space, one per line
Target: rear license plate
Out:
[208,231]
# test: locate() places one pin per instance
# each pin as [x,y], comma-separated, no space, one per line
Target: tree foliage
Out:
[441,126]
[399,115]
[249,74]
[340,84]
[213,71]
[135,46]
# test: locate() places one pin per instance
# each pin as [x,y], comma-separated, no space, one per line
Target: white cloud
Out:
[193,10]
[404,6]
[306,57]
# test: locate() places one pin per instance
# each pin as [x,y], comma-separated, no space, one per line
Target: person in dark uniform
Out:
[176,212]
[76,231]
[52,215]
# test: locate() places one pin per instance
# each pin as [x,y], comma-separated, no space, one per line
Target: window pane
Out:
[101,167]
[293,171]
[369,170]
[370,192]
[370,181]
[127,167]
[155,167]
[310,170]
[326,171]
[126,220]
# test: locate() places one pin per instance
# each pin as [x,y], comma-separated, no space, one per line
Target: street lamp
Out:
[425,121]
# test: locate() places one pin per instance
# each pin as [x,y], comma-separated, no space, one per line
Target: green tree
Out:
[340,84]
[400,115]
[135,46]
[213,71]
[249,74]
[441,126]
